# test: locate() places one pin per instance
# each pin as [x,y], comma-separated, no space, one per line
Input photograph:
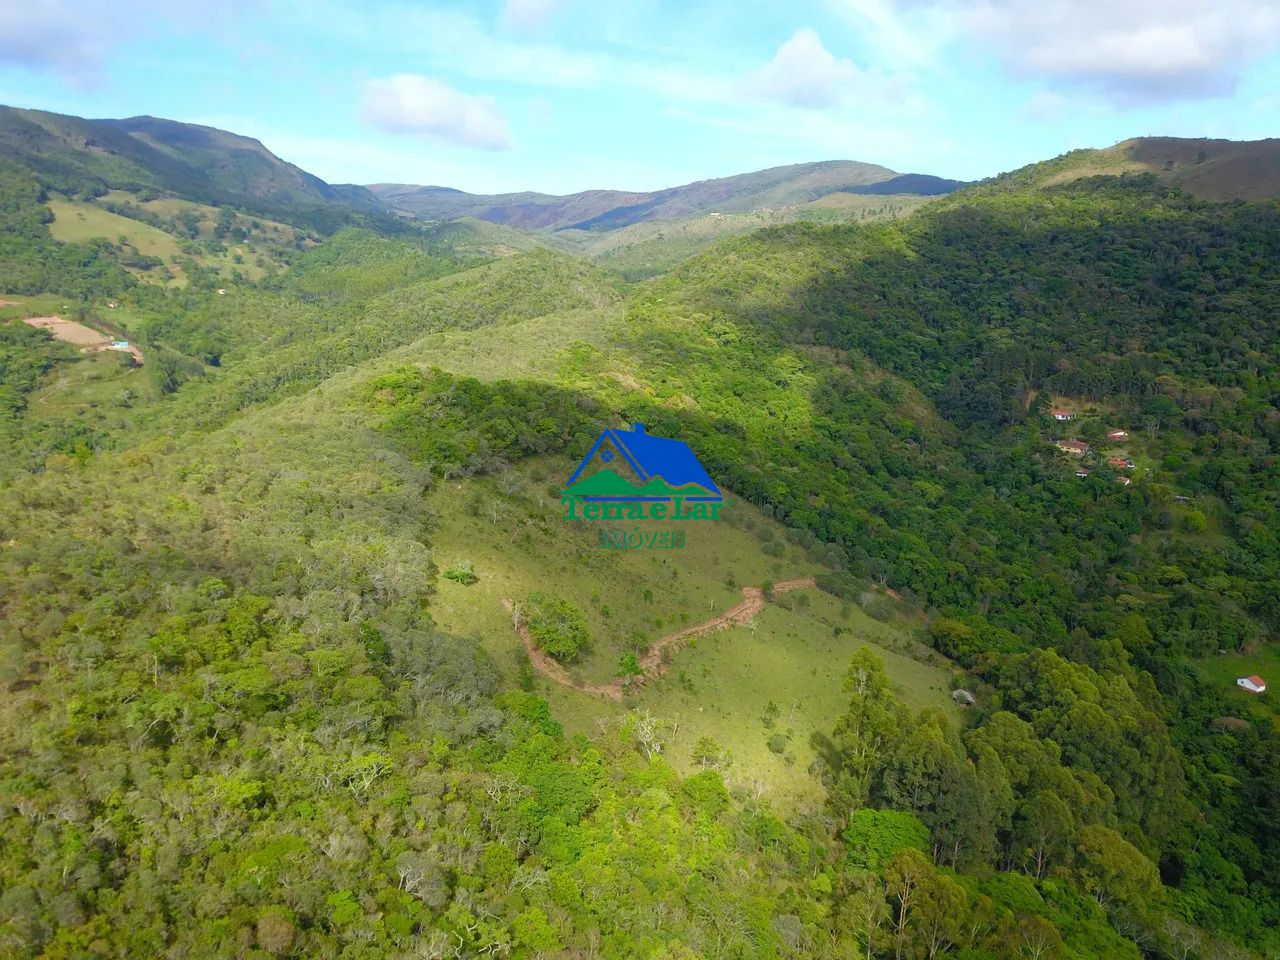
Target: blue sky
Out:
[561,95]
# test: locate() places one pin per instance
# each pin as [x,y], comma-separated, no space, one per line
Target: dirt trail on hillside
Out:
[652,662]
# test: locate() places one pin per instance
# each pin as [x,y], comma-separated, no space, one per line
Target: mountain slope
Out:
[75,155]
[613,209]
[1209,169]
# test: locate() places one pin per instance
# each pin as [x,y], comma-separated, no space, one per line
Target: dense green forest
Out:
[233,725]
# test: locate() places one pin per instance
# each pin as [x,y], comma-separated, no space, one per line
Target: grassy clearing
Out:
[796,659]
[77,222]
[15,306]
[530,348]
[1223,671]
[795,655]
[98,380]
[511,528]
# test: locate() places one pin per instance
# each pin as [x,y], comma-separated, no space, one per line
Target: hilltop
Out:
[1210,169]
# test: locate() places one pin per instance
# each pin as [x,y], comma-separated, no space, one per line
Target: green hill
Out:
[74,155]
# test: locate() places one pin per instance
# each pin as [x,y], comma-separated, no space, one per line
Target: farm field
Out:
[89,389]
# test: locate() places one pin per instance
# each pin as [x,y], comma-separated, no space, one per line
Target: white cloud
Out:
[413,104]
[903,33]
[528,14]
[73,37]
[52,35]
[458,43]
[803,73]
[1132,50]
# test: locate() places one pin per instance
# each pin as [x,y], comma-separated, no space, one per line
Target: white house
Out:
[1063,415]
[1254,684]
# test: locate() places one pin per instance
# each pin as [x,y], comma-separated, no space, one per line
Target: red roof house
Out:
[1254,684]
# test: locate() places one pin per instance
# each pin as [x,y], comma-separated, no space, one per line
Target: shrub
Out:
[462,572]
[708,753]
[557,626]
[629,665]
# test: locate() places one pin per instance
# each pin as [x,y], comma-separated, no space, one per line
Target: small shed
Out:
[1254,684]
[1117,435]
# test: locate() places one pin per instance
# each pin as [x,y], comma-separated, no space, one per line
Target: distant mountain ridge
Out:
[613,209]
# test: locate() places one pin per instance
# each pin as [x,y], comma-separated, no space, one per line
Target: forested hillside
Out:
[261,698]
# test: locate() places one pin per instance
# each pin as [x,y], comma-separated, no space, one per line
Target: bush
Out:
[462,572]
[557,626]
[629,665]
[880,608]
[708,753]
[777,743]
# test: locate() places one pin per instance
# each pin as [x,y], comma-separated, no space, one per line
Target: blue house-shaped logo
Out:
[638,467]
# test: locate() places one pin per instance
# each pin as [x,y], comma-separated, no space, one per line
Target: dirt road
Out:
[652,662]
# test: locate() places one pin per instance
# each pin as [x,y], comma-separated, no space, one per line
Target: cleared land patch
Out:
[86,338]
